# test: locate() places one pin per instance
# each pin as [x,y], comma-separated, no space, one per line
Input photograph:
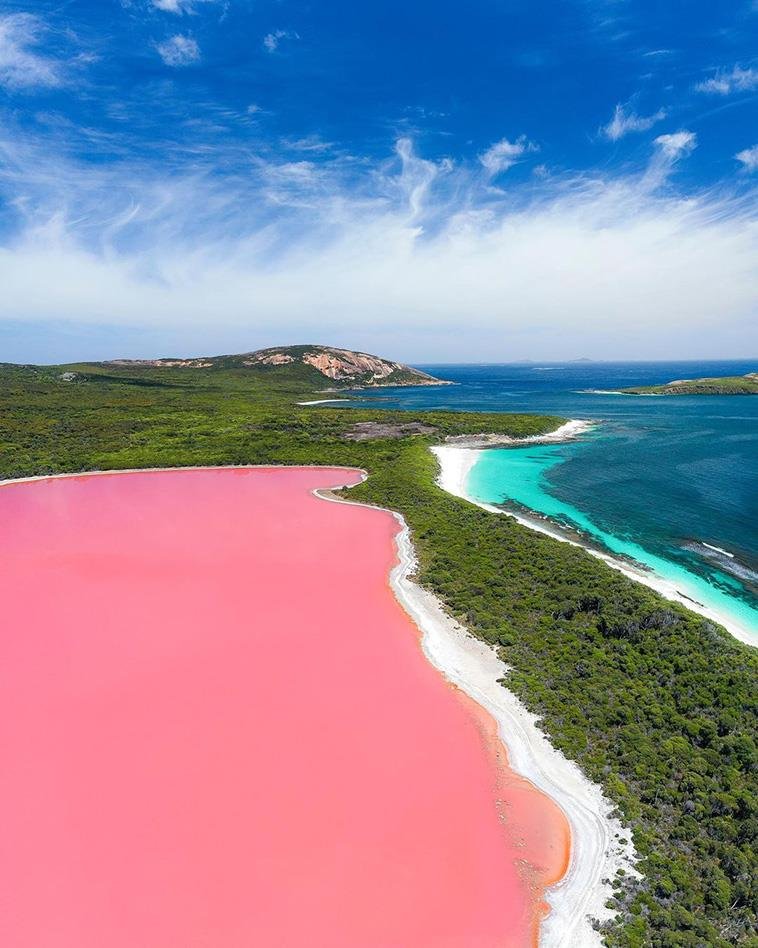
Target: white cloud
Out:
[725,83]
[749,158]
[179,51]
[271,41]
[677,144]
[625,121]
[178,6]
[504,154]
[20,66]
[310,143]
[410,249]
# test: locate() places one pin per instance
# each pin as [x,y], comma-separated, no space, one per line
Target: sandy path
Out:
[323,401]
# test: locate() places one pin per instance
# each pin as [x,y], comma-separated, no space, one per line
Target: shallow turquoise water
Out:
[518,476]
[671,482]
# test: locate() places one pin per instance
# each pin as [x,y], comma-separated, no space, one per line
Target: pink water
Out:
[218,729]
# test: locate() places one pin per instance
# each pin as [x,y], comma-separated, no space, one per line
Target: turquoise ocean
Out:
[670,483]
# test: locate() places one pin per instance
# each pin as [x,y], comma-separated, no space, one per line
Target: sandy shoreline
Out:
[323,401]
[455,466]
[596,850]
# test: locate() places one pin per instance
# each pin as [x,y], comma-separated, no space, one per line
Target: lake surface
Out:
[671,482]
[219,728]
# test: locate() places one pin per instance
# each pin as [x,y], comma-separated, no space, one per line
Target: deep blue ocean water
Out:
[671,482]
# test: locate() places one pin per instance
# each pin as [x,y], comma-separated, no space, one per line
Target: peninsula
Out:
[728,385]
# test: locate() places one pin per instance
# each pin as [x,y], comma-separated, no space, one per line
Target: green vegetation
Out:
[655,703]
[728,385]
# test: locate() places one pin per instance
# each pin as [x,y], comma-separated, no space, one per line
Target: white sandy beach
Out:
[597,852]
[455,465]
[323,401]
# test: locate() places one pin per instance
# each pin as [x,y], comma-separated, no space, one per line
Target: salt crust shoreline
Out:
[596,850]
[456,463]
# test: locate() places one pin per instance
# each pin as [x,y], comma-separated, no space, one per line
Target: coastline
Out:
[597,852]
[455,464]
[566,432]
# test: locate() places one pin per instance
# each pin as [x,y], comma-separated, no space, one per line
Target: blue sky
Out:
[488,181]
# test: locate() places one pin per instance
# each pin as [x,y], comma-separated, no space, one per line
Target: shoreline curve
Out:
[455,464]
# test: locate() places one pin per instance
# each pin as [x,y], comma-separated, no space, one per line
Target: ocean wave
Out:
[598,391]
[718,549]
[724,559]
[610,391]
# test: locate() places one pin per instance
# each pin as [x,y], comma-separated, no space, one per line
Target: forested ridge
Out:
[655,703]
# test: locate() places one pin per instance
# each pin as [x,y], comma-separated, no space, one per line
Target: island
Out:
[727,385]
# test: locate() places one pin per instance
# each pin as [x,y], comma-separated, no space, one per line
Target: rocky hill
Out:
[337,367]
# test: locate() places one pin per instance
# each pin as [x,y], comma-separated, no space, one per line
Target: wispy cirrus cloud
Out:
[727,82]
[272,41]
[503,154]
[179,6]
[748,157]
[677,145]
[406,246]
[172,6]
[22,66]
[311,143]
[179,51]
[624,121]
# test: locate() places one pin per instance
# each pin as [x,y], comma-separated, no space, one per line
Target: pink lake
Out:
[218,729]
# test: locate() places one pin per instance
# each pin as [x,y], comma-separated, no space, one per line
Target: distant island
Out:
[341,367]
[728,385]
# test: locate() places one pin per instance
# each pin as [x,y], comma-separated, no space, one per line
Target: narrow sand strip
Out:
[323,401]
[596,850]
[455,466]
